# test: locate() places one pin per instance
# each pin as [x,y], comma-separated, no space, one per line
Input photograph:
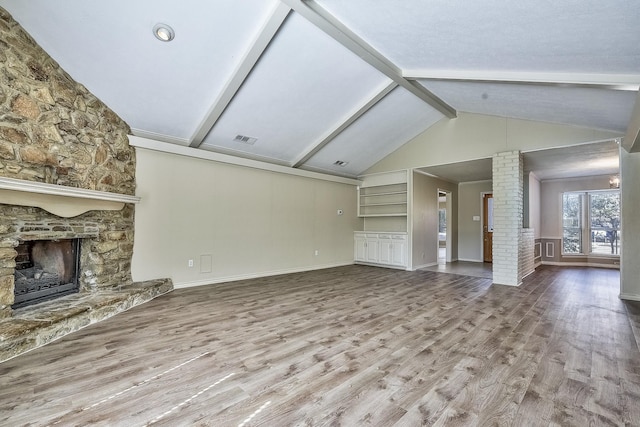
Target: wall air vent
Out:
[340,163]
[245,139]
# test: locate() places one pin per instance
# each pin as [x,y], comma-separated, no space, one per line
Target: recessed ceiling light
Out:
[163,32]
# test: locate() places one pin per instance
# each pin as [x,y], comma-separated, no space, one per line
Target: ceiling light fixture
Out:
[341,163]
[163,32]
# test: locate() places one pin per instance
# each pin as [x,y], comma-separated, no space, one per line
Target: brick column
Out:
[507,217]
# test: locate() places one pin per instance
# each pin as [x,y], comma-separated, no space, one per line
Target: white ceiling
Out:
[334,80]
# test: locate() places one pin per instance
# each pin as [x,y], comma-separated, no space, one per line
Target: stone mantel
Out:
[58,199]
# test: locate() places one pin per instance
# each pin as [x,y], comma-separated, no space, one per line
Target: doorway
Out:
[444,236]
[487,227]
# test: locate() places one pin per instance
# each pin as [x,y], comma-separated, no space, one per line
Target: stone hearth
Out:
[37,325]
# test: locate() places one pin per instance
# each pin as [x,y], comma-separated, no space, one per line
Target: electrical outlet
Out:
[316,252]
[190,263]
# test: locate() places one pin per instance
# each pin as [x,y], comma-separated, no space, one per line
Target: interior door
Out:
[487,226]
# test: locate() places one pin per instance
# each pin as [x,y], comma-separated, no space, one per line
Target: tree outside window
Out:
[572,223]
[591,223]
[605,222]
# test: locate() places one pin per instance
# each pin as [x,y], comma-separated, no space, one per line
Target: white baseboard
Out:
[581,264]
[630,297]
[373,264]
[418,267]
[216,280]
[470,260]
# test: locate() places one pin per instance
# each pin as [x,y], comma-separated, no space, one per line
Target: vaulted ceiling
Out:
[310,83]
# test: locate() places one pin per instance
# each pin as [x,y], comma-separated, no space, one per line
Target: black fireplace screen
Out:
[46,269]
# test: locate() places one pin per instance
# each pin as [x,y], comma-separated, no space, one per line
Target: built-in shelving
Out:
[384,205]
[383,200]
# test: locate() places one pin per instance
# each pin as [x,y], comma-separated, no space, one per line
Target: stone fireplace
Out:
[66,172]
[41,225]
[102,222]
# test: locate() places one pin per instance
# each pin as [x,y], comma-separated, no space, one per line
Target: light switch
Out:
[476,217]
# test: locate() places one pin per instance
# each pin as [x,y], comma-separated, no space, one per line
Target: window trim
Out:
[585,226]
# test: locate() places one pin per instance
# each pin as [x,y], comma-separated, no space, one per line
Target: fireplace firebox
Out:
[46,269]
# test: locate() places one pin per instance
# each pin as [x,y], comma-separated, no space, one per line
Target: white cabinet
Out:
[366,247]
[387,249]
[360,247]
[399,250]
[372,250]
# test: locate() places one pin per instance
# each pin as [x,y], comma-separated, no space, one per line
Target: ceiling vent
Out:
[245,139]
[341,163]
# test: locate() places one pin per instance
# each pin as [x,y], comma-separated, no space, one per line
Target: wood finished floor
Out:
[349,346]
[466,268]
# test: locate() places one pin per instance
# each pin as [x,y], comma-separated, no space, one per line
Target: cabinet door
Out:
[372,250]
[399,250]
[386,250]
[360,248]
[398,253]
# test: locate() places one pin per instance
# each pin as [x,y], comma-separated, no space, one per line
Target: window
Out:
[572,223]
[442,220]
[604,214]
[591,223]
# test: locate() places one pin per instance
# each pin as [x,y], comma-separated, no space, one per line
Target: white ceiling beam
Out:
[240,74]
[631,140]
[596,81]
[355,115]
[343,35]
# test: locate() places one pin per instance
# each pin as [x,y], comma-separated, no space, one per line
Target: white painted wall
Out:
[470,231]
[551,200]
[425,219]
[249,222]
[630,199]
[533,205]
[476,136]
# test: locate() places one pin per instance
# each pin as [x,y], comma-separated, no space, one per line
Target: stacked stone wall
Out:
[53,130]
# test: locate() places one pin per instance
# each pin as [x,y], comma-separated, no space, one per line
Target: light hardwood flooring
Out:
[466,268]
[349,346]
